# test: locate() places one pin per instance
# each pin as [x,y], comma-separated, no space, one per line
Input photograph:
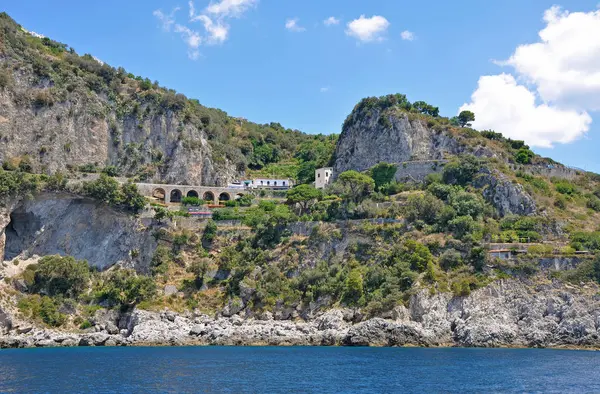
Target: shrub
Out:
[383,174]
[210,232]
[160,261]
[565,187]
[461,171]
[524,156]
[65,276]
[450,259]
[560,202]
[88,168]
[123,287]
[42,308]
[110,171]
[25,164]
[193,201]
[425,207]
[354,289]
[540,250]
[593,202]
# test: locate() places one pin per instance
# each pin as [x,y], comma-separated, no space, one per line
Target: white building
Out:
[264,183]
[323,177]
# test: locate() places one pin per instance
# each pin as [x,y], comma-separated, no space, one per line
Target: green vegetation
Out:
[107,190]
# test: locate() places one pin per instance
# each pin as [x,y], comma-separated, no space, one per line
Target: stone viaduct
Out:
[174,193]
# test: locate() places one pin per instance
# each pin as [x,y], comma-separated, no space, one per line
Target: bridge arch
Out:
[175,195]
[160,194]
[209,196]
[224,197]
[193,194]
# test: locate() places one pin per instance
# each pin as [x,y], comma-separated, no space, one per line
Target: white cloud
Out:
[217,31]
[565,64]
[230,8]
[331,21]
[499,103]
[292,25]
[213,19]
[407,35]
[560,83]
[191,37]
[368,29]
[324,89]
[166,20]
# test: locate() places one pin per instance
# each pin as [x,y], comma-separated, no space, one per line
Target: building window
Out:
[318,175]
[275,183]
[326,174]
[268,183]
[283,183]
[261,182]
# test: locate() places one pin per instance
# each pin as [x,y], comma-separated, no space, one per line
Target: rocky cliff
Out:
[506,313]
[377,135]
[69,225]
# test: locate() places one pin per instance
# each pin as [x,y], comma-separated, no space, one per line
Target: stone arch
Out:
[175,195]
[193,194]
[209,196]
[159,194]
[224,197]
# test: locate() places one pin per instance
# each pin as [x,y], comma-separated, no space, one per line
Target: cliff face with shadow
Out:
[69,225]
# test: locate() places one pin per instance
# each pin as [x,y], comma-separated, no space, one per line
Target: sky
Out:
[529,69]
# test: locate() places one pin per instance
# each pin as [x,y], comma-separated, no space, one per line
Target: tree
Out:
[354,288]
[210,232]
[131,198]
[304,195]
[199,268]
[414,253]
[356,185]
[465,118]
[104,189]
[57,275]
[125,288]
[524,156]
[383,174]
[461,171]
[424,108]
[425,207]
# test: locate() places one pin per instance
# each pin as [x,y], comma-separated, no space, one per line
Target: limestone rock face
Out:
[505,196]
[79,227]
[5,321]
[92,129]
[366,141]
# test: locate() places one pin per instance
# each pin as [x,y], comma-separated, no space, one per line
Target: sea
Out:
[297,370]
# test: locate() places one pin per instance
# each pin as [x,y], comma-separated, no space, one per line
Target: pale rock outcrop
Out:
[366,141]
[505,313]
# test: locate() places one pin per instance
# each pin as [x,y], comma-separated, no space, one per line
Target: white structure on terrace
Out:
[323,177]
[266,183]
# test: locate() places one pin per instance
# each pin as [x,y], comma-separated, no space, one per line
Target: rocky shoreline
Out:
[507,313]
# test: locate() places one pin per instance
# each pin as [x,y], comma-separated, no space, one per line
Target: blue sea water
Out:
[296,370]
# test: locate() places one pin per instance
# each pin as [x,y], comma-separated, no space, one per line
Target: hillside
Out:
[431,233]
[60,111]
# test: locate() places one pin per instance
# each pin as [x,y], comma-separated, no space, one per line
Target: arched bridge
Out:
[174,193]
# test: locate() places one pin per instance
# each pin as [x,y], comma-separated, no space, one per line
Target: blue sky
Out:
[309,76]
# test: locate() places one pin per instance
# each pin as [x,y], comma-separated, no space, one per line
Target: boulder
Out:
[5,321]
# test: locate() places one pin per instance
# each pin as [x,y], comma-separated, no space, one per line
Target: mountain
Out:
[431,233]
[63,112]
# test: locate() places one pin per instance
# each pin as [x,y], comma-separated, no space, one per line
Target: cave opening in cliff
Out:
[20,233]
